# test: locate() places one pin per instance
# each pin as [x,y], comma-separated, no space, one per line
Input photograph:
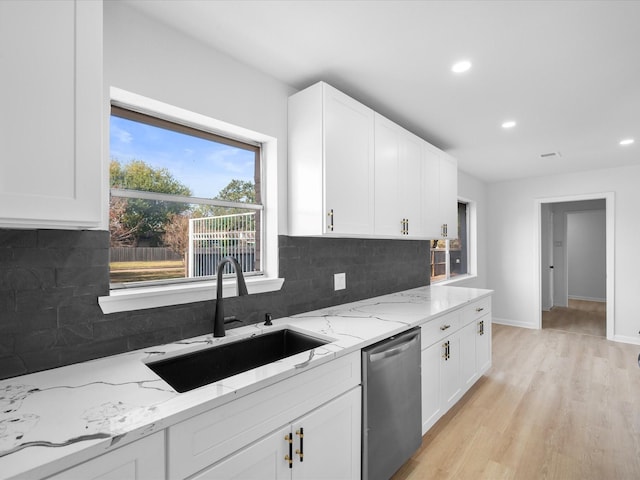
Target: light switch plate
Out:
[340,281]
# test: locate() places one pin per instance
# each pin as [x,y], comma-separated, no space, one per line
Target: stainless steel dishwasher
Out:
[391,404]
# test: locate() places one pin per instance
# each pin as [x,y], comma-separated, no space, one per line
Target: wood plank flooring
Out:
[555,405]
[581,316]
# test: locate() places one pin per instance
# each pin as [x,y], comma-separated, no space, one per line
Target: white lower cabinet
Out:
[431,408]
[140,460]
[483,344]
[468,359]
[456,351]
[245,438]
[324,444]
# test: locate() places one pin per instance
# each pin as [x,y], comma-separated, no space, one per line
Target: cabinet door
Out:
[348,164]
[264,460]
[431,216]
[468,365]
[431,405]
[450,385]
[51,118]
[440,195]
[398,180]
[388,213]
[327,441]
[448,196]
[483,344]
[143,459]
[411,183]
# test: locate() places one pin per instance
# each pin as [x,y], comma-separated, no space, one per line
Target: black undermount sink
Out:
[193,370]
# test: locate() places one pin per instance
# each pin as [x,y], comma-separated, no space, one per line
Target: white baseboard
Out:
[626,339]
[588,299]
[513,323]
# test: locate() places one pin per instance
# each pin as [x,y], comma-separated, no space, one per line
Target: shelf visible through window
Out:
[450,256]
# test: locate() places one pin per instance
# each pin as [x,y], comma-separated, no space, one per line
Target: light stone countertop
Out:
[58,418]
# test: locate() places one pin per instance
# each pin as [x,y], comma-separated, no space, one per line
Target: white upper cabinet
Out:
[441,194]
[448,195]
[51,117]
[353,172]
[330,164]
[399,166]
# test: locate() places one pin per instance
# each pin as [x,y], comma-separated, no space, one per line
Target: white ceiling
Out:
[567,71]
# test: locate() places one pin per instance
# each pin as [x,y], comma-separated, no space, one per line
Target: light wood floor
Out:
[555,405]
[581,316]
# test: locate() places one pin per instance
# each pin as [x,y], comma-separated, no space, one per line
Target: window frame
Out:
[174,126]
[151,295]
[471,248]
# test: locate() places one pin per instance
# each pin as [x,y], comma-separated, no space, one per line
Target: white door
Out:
[483,344]
[264,460]
[468,366]
[431,405]
[388,212]
[349,164]
[546,255]
[327,441]
[450,385]
[410,182]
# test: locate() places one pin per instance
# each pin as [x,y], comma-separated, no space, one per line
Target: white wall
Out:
[147,58]
[513,258]
[586,249]
[475,191]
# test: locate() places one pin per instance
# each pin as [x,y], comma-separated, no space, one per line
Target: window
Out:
[450,257]
[181,199]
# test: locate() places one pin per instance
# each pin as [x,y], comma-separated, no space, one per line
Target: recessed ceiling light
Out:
[627,141]
[461,66]
[509,124]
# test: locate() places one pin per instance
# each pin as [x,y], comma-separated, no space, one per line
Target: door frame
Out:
[610,253]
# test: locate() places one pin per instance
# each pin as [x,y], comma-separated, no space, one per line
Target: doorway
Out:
[575,263]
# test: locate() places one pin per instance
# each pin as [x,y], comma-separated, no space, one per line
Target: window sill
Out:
[130,299]
[457,279]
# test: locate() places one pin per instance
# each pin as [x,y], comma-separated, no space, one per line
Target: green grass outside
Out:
[122,272]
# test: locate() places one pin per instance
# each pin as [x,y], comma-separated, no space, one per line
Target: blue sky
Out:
[204,166]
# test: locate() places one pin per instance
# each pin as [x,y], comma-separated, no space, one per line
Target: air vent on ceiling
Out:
[550,154]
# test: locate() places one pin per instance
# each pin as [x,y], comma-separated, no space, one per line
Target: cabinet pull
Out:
[446,353]
[479,309]
[300,451]
[481,327]
[444,327]
[289,458]
[330,215]
[444,230]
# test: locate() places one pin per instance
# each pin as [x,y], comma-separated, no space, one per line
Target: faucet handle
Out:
[267,318]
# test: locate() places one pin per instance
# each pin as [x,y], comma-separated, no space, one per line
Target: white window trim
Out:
[472,245]
[136,298]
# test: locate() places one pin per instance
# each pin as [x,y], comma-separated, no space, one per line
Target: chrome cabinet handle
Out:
[479,309]
[444,327]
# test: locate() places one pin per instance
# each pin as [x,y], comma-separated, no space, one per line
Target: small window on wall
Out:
[181,199]
[450,257]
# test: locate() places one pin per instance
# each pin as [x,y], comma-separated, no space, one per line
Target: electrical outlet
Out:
[340,281]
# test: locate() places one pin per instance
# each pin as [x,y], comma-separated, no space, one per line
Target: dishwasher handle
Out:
[394,346]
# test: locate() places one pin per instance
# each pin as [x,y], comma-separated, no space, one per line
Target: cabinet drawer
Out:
[203,440]
[476,310]
[440,327]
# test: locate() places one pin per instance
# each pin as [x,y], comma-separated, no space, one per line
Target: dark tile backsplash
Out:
[50,281]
